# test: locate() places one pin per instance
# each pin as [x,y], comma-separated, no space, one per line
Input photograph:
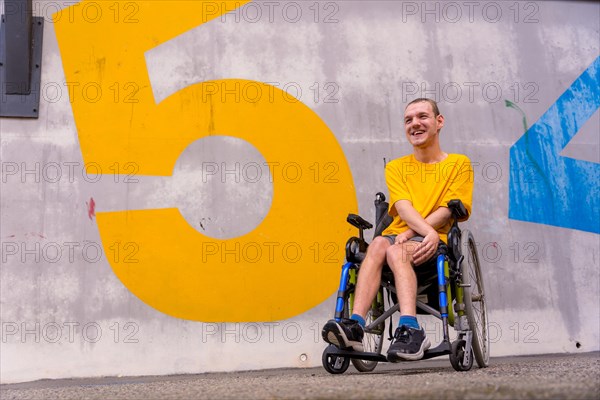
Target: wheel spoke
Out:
[372,343]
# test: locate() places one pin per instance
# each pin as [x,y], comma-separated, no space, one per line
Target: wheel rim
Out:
[475,302]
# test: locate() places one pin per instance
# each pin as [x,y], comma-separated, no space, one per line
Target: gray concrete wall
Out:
[64,311]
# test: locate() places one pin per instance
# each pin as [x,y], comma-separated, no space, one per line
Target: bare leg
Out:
[369,277]
[399,258]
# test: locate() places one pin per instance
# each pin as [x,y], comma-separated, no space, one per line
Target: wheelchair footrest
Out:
[442,349]
[357,354]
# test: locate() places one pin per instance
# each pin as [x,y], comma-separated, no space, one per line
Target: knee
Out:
[399,255]
[377,249]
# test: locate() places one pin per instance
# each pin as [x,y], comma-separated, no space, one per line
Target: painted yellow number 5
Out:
[173,273]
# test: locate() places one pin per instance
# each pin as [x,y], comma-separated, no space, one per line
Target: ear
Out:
[440,122]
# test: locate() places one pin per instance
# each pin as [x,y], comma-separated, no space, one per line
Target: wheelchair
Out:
[449,288]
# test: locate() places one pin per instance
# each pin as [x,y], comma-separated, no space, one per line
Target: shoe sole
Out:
[334,334]
[397,356]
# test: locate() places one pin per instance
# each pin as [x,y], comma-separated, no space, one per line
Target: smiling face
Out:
[421,124]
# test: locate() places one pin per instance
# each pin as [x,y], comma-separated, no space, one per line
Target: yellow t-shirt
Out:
[428,187]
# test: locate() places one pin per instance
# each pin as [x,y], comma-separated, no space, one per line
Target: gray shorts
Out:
[392,238]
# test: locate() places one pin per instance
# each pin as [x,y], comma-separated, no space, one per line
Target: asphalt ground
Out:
[557,376]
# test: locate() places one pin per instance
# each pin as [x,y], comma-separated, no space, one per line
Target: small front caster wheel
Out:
[457,357]
[333,363]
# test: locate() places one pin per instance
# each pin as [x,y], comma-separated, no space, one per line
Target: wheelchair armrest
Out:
[358,222]
[458,209]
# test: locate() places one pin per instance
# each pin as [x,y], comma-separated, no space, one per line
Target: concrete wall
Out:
[155,224]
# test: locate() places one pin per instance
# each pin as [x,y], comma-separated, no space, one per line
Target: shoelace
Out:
[402,335]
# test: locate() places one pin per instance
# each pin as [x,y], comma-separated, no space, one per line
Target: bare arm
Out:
[425,227]
[419,225]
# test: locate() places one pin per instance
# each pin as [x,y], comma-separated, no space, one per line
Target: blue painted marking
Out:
[545,187]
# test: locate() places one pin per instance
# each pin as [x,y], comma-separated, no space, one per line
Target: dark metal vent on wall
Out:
[20,60]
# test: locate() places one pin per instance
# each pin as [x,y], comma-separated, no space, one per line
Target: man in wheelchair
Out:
[420,185]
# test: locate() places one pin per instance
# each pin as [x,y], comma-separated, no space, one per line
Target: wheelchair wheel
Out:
[334,364]
[474,298]
[457,356]
[372,341]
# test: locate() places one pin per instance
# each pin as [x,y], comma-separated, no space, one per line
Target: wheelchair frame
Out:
[460,299]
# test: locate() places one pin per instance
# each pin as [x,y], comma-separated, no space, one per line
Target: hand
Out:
[405,236]
[427,248]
